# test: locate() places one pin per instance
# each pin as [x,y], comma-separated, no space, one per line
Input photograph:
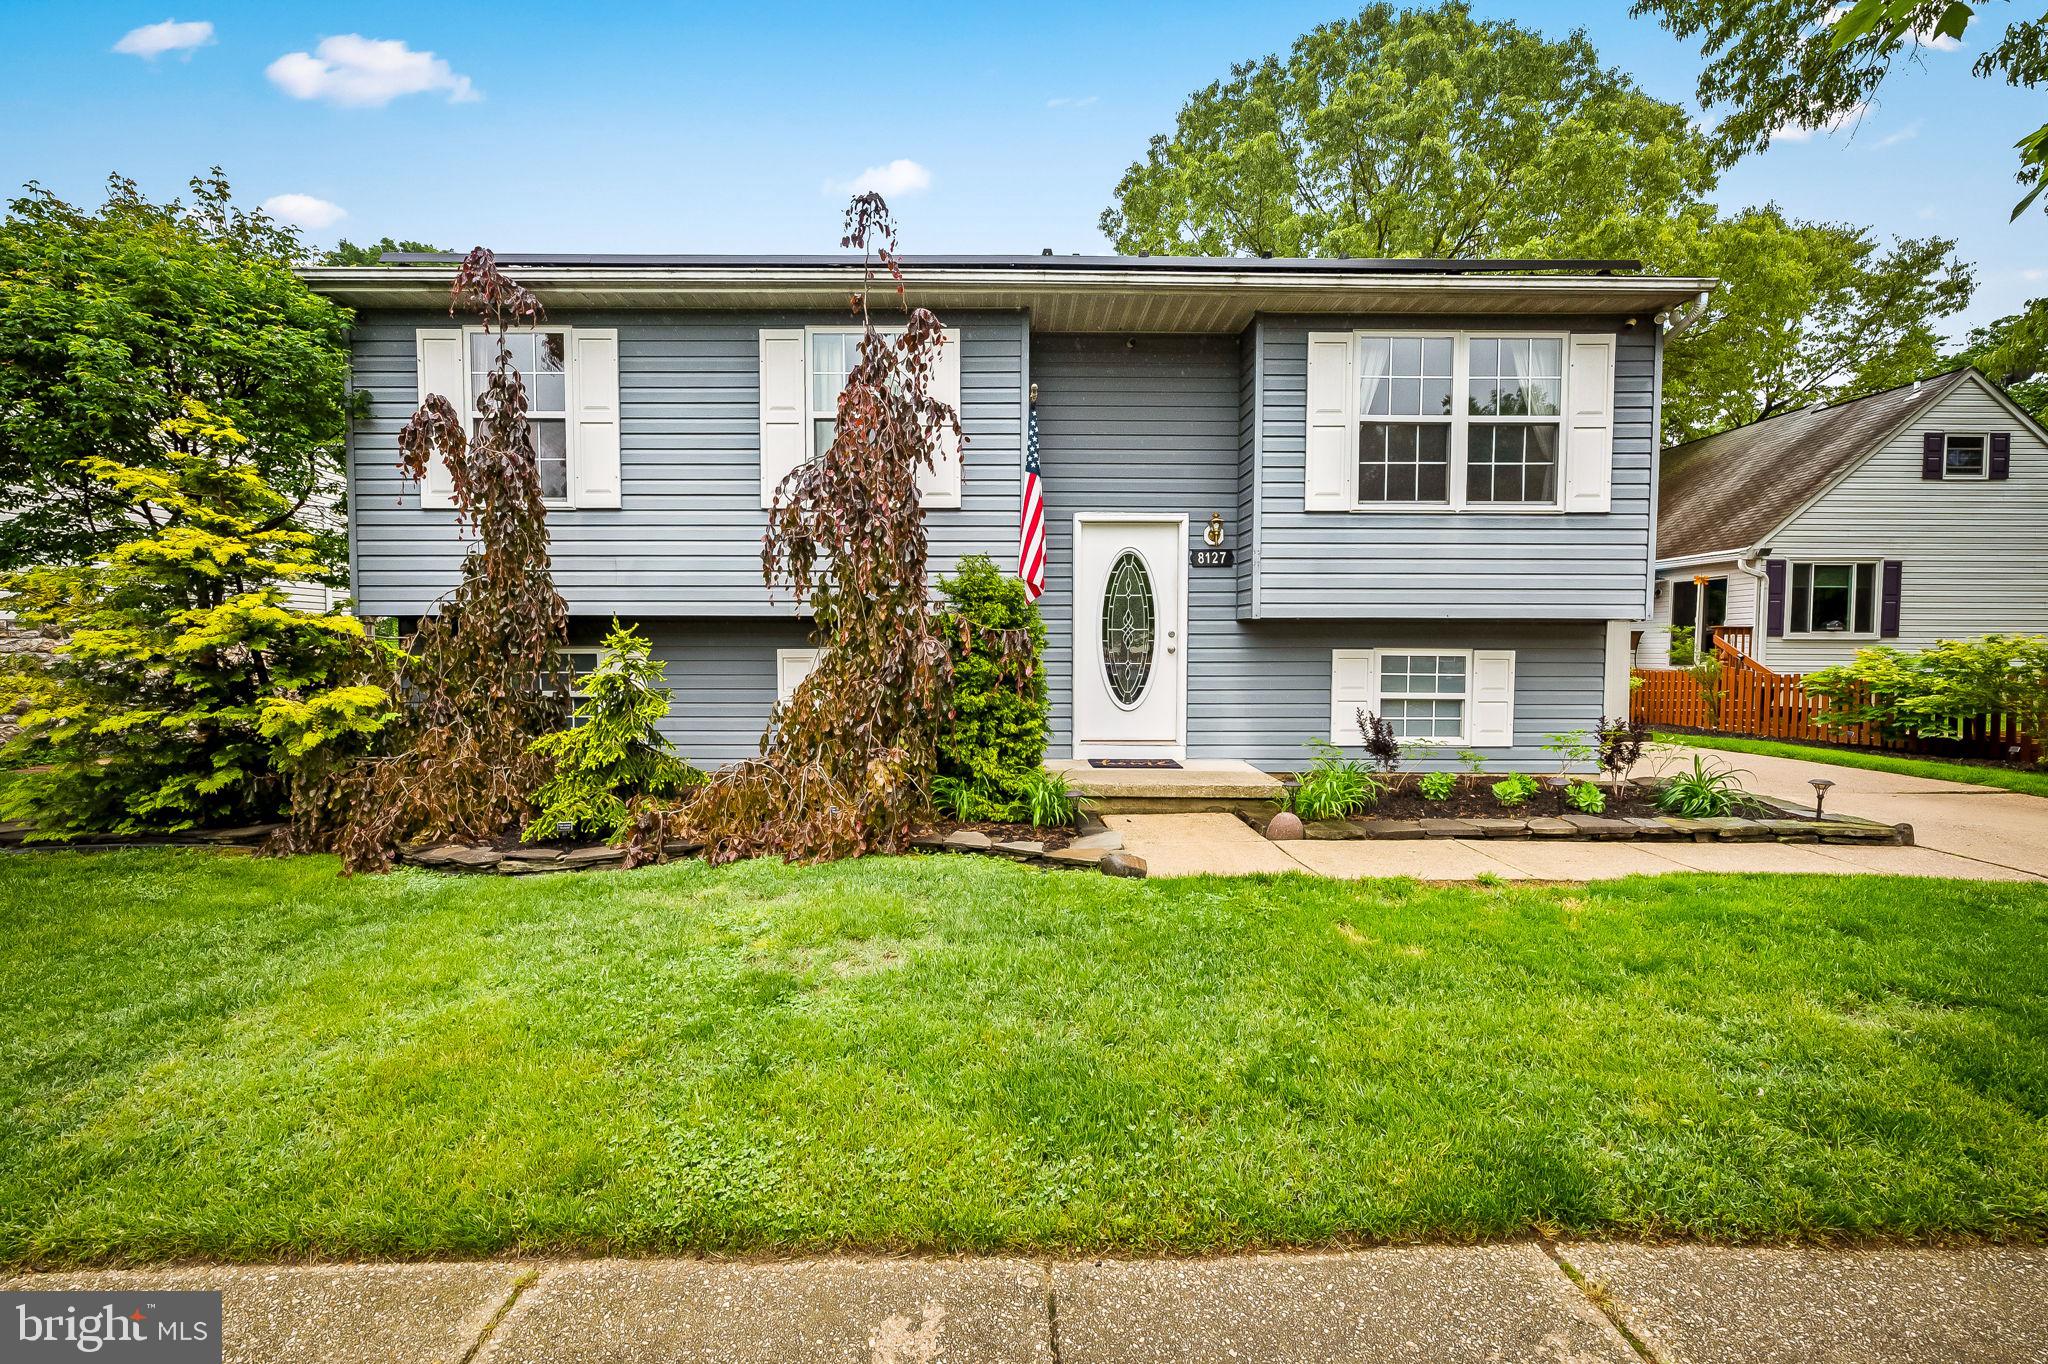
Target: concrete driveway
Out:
[1983,823]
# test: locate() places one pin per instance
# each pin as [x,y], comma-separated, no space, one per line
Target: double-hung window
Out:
[1966,457]
[1459,419]
[1424,695]
[542,359]
[1830,599]
[833,356]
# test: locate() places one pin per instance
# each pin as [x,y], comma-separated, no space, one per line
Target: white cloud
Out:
[1792,132]
[901,176]
[303,210]
[1928,214]
[349,69]
[153,40]
[1071,101]
[1905,134]
[1940,42]
[2033,276]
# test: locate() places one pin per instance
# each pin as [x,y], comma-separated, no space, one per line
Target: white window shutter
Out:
[1493,698]
[437,354]
[1332,423]
[939,486]
[1354,686]
[594,385]
[792,666]
[784,441]
[1589,438]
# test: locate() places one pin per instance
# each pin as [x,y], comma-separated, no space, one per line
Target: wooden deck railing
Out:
[1749,699]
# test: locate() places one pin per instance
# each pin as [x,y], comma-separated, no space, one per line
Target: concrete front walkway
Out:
[1224,845]
[1591,1303]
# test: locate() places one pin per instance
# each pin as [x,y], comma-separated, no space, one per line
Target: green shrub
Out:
[1048,802]
[614,750]
[1437,785]
[1586,798]
[1516,789]
[1001,709]
[1935,690]
[1705,793]
[1334,786]
[1684,652]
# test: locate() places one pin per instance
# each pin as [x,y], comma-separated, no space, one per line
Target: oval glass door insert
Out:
[1129,620]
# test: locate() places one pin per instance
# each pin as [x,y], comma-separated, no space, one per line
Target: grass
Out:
[217,1057]
[2010,778]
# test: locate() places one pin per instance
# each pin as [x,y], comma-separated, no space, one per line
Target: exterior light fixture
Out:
[1820,787]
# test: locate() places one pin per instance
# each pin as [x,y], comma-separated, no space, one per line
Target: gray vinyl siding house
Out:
[1175,400]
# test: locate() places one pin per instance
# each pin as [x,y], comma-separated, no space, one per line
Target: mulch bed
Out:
[1474,799]
[1002,833]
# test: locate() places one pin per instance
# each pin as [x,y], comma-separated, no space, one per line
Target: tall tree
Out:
[346,252]
[2013,351]
[112,322]
[1774,64]
[1803,312]
[1414,133]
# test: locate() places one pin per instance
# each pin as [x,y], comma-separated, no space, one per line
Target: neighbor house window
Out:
[1421,444]
[1688,599]
[1423,696]
[1966,457]
[542,359]
[1404,428]
[1829,599]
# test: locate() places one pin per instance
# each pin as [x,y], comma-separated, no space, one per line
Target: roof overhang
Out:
[1062,294]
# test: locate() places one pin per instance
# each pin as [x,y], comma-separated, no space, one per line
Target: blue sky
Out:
[737,127]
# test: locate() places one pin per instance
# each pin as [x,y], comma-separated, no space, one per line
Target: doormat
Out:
[1132,762]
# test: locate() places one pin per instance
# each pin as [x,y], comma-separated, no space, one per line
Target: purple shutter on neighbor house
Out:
[1774,613]
[1933,446]
[2001,456]
[1888,599]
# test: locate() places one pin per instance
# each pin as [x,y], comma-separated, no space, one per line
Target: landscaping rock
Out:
[474,859]
[969,840]
[1904,833]
[1076,856]
[1647,827]
[247,833]
[1330,830]
[682,847]
[1599,826]
[440,855]
[533,855]
[929,842]
[1088,823]
[1285,827]
[1502,828]
[510,867]
[1449,828]
[1123,864]
[1021,849]
[578,858]
[1105,841]
[1387,828]
[1549,826]
[1747,831]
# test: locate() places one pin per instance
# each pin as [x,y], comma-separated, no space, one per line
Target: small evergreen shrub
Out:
[1001,710]
[1437,785]
[614,751]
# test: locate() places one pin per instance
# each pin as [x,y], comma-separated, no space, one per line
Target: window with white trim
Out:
[1456,419]
[1832,599]
[579,663]
[1424,696]
[1966,457]
[833,356]
[541,356]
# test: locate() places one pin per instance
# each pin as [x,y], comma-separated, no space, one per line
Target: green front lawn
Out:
[2012,779]
[210,1056]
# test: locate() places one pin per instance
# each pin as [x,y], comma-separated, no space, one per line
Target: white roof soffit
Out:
[1118,299]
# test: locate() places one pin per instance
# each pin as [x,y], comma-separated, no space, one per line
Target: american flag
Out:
[1031,520]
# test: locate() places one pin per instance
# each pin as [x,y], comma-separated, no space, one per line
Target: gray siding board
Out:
[687,539]
[1449,565]
[1256,689]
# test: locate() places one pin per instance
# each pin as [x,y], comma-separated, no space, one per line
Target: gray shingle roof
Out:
[1729,491]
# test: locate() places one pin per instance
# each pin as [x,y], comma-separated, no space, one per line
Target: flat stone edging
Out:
[1633,828]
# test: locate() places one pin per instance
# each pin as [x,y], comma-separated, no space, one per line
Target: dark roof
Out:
[1729,491]
[1047,261]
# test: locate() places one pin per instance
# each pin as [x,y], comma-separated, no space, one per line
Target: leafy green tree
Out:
[346,252]
[1001,707]
[614,751]
[2013,351]
[1774,64]
[1804,312]
[1956,682]
[1414,133]
[186,692]
[112,321]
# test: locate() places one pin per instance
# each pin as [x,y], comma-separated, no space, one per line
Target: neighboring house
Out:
[1430,483]
[1907,517]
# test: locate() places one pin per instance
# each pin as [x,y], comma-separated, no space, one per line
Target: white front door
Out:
[1129,667]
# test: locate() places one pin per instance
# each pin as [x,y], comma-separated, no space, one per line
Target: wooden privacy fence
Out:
[1762,704]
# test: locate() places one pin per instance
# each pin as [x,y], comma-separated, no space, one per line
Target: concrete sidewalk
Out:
[1193,845]
[1593,1303]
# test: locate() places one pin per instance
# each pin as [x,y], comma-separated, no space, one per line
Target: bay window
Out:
[1456,419]
[1833,599]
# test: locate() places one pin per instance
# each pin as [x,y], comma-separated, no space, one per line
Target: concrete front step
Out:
[1198,785]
